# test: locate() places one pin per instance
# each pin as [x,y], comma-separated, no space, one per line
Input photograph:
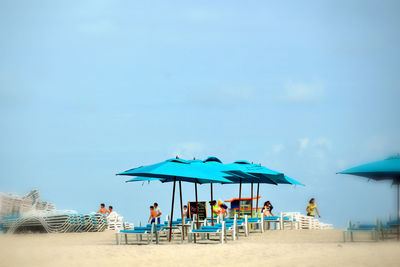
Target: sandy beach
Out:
[273,248]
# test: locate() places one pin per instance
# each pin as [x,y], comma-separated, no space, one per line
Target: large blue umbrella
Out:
[238,170]
[265,175]
[173,170]
[388,169]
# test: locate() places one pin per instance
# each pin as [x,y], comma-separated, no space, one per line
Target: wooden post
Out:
[211,205]
[240,195]
[258,192]
[172,211]
[197,206]
[398,210]
[183,226]
[251,205]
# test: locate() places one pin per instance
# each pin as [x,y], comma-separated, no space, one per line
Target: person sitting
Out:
[153,215]
[103,210]
[267,209]
[223,211]
[111,212]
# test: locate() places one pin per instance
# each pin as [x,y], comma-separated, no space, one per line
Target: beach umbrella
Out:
[258,175]
[238,173]
[266,175]
[173,170]
[388,169]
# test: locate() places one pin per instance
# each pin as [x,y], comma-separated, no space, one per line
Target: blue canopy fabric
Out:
[388,169]
[236,175]
[178,169]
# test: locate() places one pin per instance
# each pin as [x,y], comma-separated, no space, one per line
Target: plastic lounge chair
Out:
[217,229]
[149,231]
[271,219]
[372,228]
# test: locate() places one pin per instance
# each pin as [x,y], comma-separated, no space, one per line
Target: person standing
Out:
[159,213]
[312,208]
[185,211]
[214,208]
[153,215]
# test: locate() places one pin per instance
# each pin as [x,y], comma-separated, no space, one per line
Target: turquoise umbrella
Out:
[238,173]
[173,170]
[388,169]
[266,176]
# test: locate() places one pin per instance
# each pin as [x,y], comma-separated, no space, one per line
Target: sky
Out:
[92,88]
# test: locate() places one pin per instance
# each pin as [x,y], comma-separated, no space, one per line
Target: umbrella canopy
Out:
[265,175]
[388,169]
[178,169]
[239,171]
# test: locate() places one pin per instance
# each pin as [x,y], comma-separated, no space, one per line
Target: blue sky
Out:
[92,88]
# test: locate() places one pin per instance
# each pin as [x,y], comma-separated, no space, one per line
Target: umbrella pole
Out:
[212,214]
[183,226]
[172,211]
[398,211]
[258,192]
[197,206]
[240,195]
[251,205]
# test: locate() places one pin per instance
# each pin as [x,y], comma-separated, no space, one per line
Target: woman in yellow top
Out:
[311,208]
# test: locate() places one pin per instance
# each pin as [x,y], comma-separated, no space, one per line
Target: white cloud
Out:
[300,92]
[188,150]
[303,143]
[277,148]
[316,147]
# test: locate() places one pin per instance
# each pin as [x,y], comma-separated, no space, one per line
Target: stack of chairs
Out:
[55,222]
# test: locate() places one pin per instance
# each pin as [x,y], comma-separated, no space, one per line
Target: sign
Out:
[202,209]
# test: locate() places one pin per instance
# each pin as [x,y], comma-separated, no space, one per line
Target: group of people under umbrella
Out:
[212,170]
[209,171]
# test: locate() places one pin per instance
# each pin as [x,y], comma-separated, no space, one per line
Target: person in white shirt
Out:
[159,213]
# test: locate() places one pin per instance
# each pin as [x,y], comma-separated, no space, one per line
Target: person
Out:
[103,210]
[111,212]
[267,209]
[153,215]
[157,209]
[214,207]
[185,211]
[311,208]
[223,211]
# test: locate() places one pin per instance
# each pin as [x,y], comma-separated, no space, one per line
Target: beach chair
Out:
[257,222]
[175,229]
[150,231]
[366,228]
[286,220]
[274,220]
[217,229]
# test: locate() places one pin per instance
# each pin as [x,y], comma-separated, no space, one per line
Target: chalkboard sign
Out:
[202,209]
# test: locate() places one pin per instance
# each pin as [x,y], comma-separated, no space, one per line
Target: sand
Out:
[273,248]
